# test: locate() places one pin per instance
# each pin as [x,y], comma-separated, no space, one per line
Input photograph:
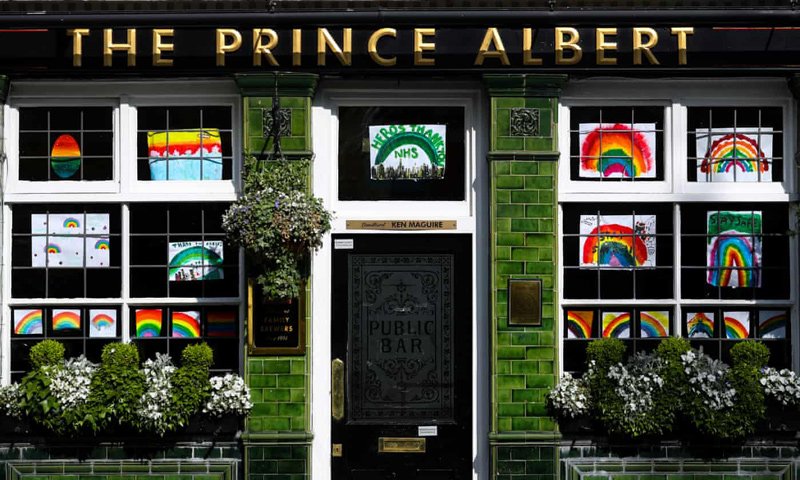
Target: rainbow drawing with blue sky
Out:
[102,323]
[618,241]
[728,155]
[195,261]
[700,324]
[407,152]
[617,150]
[734,249]
[28,321]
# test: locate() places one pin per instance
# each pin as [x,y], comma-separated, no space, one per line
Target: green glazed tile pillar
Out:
[277,439]
[523,157]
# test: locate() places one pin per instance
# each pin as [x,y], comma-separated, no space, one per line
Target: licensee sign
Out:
[402,224]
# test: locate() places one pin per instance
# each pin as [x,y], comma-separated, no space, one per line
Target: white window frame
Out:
[120,193]
[684,93]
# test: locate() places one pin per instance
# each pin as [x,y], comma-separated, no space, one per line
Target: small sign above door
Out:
[402,224]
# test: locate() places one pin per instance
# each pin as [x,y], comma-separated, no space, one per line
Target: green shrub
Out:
[46,353]
[199,355]
[605,352]
[117,386]
[190,386]
[751,354]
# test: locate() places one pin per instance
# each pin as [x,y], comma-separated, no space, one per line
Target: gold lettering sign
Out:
[402,224]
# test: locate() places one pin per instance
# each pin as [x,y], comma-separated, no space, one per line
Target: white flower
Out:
[10,399]
[229,395]
[70,383]
[783,385]
[158,394]
[570,397]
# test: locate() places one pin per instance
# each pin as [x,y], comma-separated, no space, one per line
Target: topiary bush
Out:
[46,353]
[117,386]
[191,388]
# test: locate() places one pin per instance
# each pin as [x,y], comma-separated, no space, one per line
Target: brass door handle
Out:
[337,389]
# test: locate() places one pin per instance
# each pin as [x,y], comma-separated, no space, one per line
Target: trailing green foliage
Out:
[46,353]
[117,386]
[278,223]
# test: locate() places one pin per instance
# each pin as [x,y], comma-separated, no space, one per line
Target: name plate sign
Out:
[402,224]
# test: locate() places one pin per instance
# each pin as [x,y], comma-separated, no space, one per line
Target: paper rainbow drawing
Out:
[101,244]
[148,323]
[728,156]
[189,261]
[221,323]
[186,324]
[579,323]
[70,240]
[616,325]
[654,323]
[28,322]
[734,249]
[66,319]
[772,323]
[616,242]
[737,325]
[102,323]
[617,150]
[185,154]
[65,156]
[71,222]
[52,248]
[700,324]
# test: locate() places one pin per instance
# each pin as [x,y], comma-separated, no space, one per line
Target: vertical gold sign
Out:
[525,302]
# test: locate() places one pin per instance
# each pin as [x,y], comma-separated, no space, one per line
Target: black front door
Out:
[402,357]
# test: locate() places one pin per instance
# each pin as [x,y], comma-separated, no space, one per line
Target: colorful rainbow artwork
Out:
[191,261]
[728,156]
[65,156]
[101,244]
[654,323]
[102,323]
[221,323]
[616,242]
[617,150]
[737,325]
[772,323]
[148,323]
[700,324]
[66,319]
[52,248]
[734,249]
[28,322]
[184,154]
[186,324]
[579,323]
[616,325]
[71,222]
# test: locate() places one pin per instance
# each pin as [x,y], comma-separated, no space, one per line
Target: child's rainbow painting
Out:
[728,155]
[617,150]
[28,321]
[616,325]
[70,240]
[580,323]
[772,323]
[148,322]
[654,324]
[102,323]
[190,261]
[618,241]
[194,154]
[66,319]
[700,324]
[737,325]
[186,324]
[733,249]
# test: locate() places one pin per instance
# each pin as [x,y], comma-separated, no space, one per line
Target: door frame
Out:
[472,216]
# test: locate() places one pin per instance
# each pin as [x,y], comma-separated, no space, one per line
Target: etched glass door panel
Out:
[400,338]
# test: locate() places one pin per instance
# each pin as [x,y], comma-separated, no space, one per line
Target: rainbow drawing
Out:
[700,324]
[737,325]
[221,323]
[191,261]
[772,323]
[66,319]
[102,323]
[186,324]
[194,154]
[654,323]
[101,244]
[71,222]
[614,241]
[734,249]
[616,325]
[52,248]
[148,322]
[579,323]
[617,150]
[741,155]
[28,322]
[65,156]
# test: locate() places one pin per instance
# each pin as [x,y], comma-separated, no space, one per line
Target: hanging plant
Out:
[278,223]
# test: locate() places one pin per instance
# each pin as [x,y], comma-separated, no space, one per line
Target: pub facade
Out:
[507,182]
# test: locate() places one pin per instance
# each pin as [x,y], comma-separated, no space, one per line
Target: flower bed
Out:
[75,397]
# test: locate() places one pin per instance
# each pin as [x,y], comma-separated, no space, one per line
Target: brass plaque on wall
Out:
[401,445]
[525,302]
[402,224]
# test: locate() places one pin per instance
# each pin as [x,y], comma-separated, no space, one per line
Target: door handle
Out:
[337,389]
